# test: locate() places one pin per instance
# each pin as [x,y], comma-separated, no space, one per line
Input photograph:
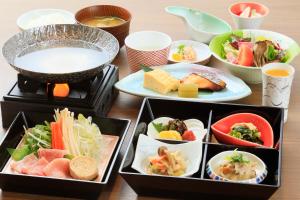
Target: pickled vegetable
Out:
[188,90]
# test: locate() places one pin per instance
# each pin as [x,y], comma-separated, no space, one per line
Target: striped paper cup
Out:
[150,48]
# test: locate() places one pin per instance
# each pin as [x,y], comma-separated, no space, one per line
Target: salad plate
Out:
[259,48]
[235,87]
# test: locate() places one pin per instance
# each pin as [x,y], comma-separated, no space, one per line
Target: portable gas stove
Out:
[90,97]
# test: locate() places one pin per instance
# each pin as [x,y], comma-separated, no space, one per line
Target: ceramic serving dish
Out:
[61,35]
[235,88]
[42,17]
[222,128]
[119,31]
[252,74]
[200,26]
[202,51]
[243,22]
[219,159]
[147,147]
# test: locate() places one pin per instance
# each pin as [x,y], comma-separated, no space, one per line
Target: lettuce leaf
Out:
[271,53]
[291,52]
[216,44]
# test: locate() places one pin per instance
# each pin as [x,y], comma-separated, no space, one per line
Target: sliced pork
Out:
[51,154]
[22,165]
[37,168]
[58,168]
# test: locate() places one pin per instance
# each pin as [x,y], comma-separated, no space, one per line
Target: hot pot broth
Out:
[62,59]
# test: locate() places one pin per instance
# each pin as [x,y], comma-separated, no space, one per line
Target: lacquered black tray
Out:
[53,186]
[200,185]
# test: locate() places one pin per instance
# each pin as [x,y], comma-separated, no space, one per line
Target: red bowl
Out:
[222,127]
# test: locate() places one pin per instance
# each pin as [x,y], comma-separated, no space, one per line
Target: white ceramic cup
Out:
[277,89]
[150,48]
[246,22]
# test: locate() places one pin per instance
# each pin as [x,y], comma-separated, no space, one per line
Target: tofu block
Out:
[160,81]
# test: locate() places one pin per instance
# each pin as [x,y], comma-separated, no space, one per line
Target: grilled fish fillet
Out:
[205,81]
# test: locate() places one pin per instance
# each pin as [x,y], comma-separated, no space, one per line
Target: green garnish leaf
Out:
[145,68]
[237,158]
[180,49]
[159,127]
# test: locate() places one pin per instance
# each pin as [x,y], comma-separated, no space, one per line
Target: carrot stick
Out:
[59,138]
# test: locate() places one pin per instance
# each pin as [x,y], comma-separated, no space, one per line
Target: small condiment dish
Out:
[219,159]
[119,31]
[201,26]
[42,17]
[243,22]
[147,147]
[222,128]
[202,51]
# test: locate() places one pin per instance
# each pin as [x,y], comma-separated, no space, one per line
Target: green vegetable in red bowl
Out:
[246,131]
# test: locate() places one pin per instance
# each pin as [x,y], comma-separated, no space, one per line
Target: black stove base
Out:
[11,106]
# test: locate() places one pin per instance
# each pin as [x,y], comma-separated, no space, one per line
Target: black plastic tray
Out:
[52,186]
[200,185]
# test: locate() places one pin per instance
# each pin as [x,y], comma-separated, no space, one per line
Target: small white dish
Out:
[194,125]
[202,51]
[147,147]
[219,159]
[41,17]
